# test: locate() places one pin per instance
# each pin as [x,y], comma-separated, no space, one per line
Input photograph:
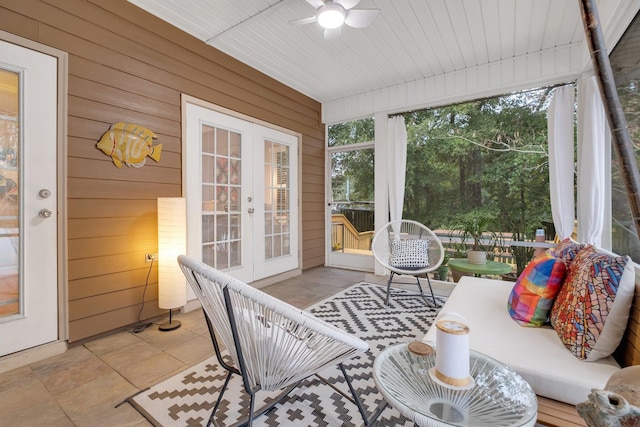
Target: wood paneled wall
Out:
[126,65]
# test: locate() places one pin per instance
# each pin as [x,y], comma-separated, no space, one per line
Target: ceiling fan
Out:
[332,14]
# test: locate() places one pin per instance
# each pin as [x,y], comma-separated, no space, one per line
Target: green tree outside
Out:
[489,155]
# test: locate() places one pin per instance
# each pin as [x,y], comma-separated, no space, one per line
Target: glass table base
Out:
[500,397]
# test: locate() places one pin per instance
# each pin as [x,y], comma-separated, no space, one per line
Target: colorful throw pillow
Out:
[533,294]
[592,308]
[567,250]
[410,254]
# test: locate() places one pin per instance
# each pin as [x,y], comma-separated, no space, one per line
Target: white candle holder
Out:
[452,352]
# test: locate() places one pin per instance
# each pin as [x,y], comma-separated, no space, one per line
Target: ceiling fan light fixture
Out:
[331,16]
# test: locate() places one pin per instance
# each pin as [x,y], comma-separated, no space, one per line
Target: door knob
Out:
[250,210]
[45,213]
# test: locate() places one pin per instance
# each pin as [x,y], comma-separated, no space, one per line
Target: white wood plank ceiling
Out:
[410,41]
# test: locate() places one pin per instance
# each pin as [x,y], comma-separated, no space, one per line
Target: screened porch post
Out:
[617,121]
[381,216]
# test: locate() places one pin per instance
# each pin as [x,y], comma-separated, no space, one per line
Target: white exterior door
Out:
[28,210]
[240,181]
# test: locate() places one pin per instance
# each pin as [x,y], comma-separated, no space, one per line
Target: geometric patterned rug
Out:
[187,398]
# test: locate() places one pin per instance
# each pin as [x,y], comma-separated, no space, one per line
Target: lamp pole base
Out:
[170,325]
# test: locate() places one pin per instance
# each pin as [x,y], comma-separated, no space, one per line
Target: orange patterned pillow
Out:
[591,310]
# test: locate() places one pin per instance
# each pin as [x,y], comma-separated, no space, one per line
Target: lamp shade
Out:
[172,241]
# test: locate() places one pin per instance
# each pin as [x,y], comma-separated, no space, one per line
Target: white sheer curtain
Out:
[561,171]
[396,165]
[592,130]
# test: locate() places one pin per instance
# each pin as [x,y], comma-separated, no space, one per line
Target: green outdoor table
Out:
[491,267]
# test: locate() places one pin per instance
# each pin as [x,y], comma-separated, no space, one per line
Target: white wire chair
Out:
[407,247]
[272,344]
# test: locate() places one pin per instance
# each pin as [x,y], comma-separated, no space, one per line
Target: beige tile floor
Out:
[84,385]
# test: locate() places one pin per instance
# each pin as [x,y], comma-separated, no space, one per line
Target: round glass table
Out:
[491,267]
[499,398]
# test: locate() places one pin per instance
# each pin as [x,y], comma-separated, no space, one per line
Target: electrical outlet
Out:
[150,257]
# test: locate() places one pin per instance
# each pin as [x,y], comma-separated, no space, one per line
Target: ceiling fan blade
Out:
[347,4]
[332,33]
[304,21]
[316,3]
[360,18]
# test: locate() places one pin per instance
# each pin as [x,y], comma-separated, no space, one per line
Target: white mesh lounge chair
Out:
[408,247]
[272,344]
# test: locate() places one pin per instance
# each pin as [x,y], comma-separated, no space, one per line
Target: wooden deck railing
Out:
[345,236]
[500,247]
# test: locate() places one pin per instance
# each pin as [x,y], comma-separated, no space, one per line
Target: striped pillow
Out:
[533,294]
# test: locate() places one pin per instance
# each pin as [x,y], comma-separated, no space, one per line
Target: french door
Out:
[241,188]
[28,209]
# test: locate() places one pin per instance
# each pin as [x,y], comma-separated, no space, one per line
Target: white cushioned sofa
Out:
[537,354]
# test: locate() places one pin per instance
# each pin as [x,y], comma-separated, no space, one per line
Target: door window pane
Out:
[268,247]
[221,181]
[208,228]
[277,207]
[9,206]
[234,254]
[207,168]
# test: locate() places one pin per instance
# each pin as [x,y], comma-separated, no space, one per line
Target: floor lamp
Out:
[172,241]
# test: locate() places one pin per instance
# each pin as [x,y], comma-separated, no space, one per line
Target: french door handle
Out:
[45,213]
[250,210]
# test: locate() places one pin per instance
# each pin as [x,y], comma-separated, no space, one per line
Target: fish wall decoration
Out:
[130,144]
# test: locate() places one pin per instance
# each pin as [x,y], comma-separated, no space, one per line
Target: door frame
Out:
[188,99]
[359,262]
[28,356]
[381,194]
